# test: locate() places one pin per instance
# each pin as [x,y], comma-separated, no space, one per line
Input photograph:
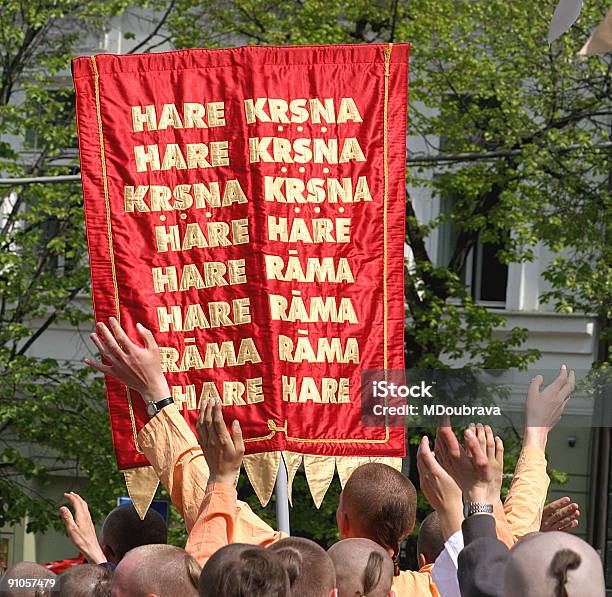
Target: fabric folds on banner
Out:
[247,206]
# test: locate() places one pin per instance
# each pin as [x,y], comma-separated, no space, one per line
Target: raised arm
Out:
[216,523]
[167,440]
[475,469]
[560,515]
[80,529]
[527,495]
[138,367]
[448,447]
[442,493]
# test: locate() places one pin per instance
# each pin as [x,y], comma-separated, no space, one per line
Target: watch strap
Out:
[154,407]
[163,403]
[471,508]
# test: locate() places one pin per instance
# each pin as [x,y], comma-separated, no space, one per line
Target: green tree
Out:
[53,417]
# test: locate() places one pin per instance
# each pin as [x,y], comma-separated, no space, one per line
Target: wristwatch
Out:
[470,508]
[154,407]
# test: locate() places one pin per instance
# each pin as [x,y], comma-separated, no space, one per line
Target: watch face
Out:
[151,409]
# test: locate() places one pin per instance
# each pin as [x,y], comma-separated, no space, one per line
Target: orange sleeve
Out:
[216,523]
[502,528]
[410,583]
[527,495]
[252,529]
[173,451]
[223,520]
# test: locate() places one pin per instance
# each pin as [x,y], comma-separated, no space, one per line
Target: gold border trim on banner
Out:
[110,231]
[272,425]
[387,53]
[274,429]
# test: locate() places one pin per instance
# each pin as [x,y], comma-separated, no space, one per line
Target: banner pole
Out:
[282,499]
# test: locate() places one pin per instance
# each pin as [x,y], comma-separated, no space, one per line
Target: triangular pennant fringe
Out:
[319,474]
[141,486]
[346,466]
[262,470]
[293,461]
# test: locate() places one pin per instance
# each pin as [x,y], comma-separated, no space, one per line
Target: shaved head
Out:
[379,504]
[551,563]
[123,530]
[362,568]
[162,570]
[26,570]
[311,570]
[240,570]
[84,581]
[430,541]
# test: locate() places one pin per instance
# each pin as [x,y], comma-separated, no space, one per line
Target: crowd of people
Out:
[471,545]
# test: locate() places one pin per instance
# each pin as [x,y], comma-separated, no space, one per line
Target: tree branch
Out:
[155,31]
[48,321]
[393,21]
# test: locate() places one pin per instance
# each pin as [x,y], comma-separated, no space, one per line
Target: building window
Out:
[4,555]
[489,277]
[483,273]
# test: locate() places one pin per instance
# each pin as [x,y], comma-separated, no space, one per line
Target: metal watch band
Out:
[477,508]
[154,407]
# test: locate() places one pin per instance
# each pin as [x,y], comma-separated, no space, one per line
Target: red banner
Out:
[247,206]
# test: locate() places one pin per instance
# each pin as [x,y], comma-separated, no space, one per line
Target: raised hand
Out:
[442,493]
[80,528]
[475,470]
[494,449]
[560,515]
[223,452]
[544,408]
[136,366]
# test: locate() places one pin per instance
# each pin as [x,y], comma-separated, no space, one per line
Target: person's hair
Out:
[26,570]
[292,562]
[430,541]
[372,573]
[381,503]
[159,569]
[563,561]
[554,563]
[244,571]
[84,581]
[363,567]
[310,569]
[123,530]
